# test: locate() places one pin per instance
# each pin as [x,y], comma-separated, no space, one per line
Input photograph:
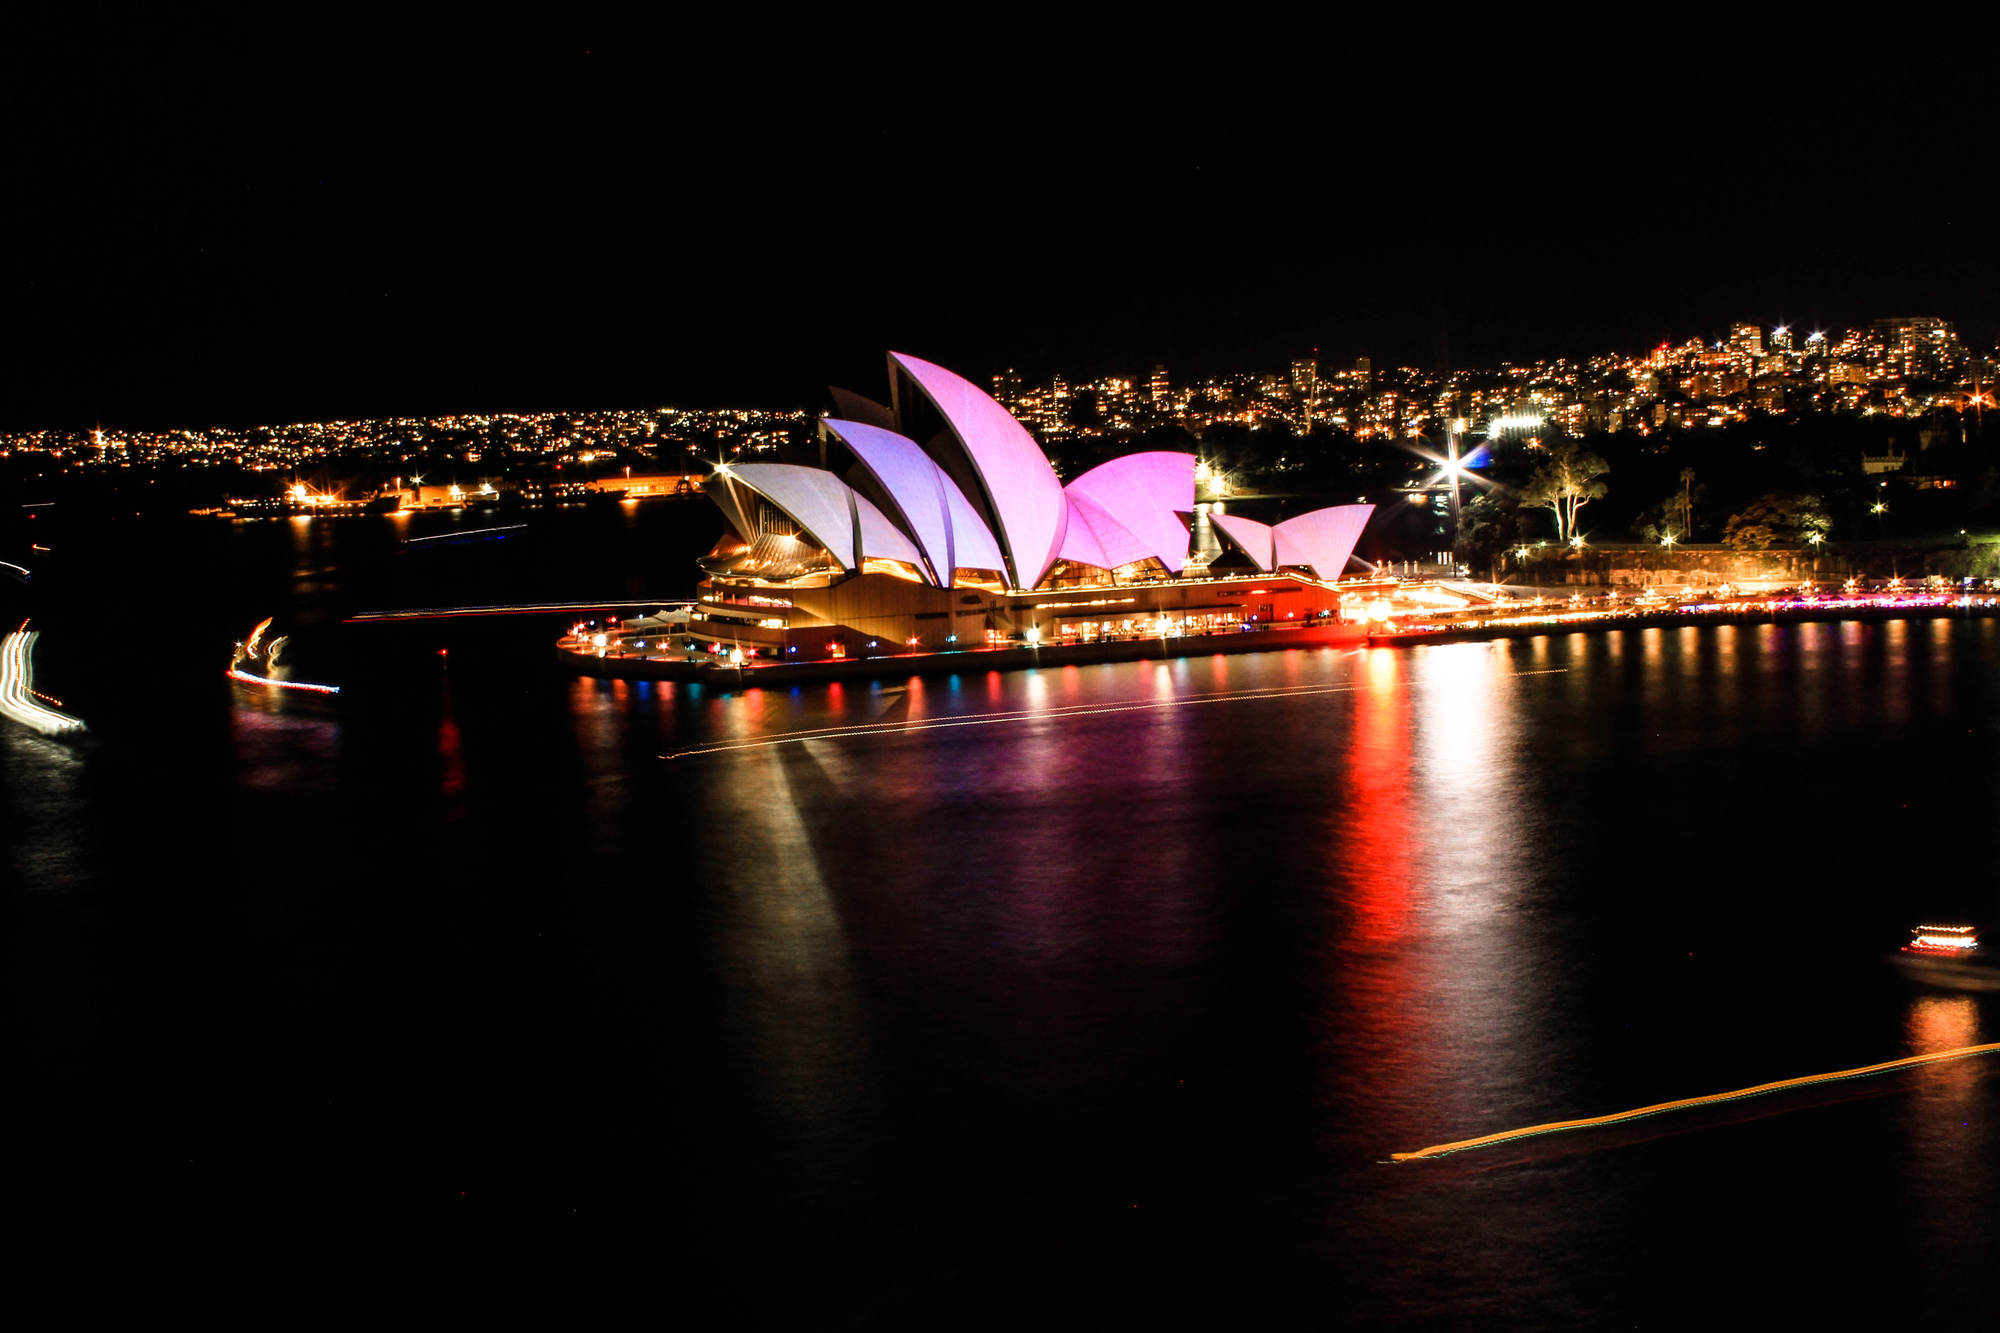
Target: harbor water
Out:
[1084,994]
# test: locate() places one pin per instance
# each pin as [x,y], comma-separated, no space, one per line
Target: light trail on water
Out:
[469,532]
[1057,714]
[235,674]
[1686,1103]
[17,684]
[516,609]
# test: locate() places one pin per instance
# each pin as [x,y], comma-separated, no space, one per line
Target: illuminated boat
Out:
[1950,957]
[256,663]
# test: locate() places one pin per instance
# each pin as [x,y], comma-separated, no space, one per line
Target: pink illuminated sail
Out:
[1017,485]
[1322,540]
[930,508]
[1248,536]
[1144,496]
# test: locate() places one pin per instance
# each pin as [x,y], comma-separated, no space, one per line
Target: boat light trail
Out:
[11,565]
[17,676]
[1030,715]
[234,674]
[469,532]
[522,609]
[1557,1126]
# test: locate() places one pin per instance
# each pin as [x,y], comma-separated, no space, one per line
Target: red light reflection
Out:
[1379,992]
[1378,839]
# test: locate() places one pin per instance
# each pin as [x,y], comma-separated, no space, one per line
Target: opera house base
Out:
[578,656]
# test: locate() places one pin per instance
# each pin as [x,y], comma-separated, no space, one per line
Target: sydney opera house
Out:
[935,521]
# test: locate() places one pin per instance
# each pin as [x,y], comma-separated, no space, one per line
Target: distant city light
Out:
[1906,368]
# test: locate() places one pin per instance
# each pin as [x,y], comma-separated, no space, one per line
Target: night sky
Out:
[231,227]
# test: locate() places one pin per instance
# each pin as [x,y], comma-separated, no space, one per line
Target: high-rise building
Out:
[1305,391]
[1781,339]
[1157,392]
[1746,341]
[1918,347]
[1364,372]
[1007,387]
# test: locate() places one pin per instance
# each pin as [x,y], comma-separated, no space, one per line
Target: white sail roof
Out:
[930,507]
[813,498]
[829,511]
[1021,489]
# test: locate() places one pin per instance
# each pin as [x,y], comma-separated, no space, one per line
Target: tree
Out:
[1486,528]
[1565,484]
[1672,519]
[1776,519]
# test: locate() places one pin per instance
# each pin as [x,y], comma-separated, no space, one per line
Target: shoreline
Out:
[1208,645]
[1680,620]
[969,659]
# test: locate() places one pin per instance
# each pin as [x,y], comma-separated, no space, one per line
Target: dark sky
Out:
[229,226]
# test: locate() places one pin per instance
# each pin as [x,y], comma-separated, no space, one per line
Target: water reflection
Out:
[1220,957]
[1948,1170]
[1381,967]
[44,819]
[783,958]
[283,743]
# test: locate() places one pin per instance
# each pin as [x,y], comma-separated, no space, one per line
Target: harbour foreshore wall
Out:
[1683,620]
[971,659]
[1206,645]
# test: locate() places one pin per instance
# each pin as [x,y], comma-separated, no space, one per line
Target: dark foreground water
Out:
[1103,1008]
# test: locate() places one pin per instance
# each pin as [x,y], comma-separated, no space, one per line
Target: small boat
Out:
[256,663]
[1950,957]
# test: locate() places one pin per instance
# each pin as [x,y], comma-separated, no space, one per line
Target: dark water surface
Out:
[1105,1006]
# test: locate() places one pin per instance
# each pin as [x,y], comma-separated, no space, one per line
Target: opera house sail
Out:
[935,521]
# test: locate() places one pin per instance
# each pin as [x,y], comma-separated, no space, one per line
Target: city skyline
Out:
[1896,367]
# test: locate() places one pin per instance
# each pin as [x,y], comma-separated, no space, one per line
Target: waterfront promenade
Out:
[581,655]
[1737,613]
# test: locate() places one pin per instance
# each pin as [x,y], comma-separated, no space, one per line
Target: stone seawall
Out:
[1680,620]
[975,659]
